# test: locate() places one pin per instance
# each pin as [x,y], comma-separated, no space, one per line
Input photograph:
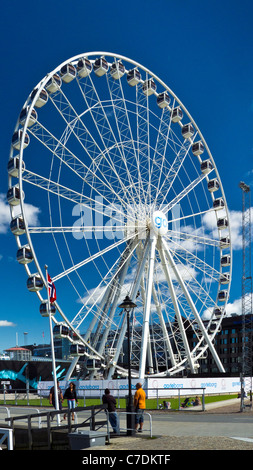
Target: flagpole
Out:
[52,350]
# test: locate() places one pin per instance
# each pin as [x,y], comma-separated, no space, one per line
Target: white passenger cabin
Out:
[54,84]
[198,148]
[224,243]
[17,226]
[34,283]
[218,204]
[133,77]
[206,166]
[32,119]
[24,255]
[163,100]
[13,195]
[84,67]
[223,295]
[212,327]
[100,66]
[44,309]
[218,312]
[17,139]
[68,73]
[176,114]
[117,70]
[225,260]
[222,223]
[213,185]
[149,87]
[13,166]
[187,131]
[41,99]
[77,350]
[61,331]
[225,278]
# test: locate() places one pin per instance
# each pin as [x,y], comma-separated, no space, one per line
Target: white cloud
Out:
[232,308]
[4,214]
[32,214]
[235,221]
[5,323]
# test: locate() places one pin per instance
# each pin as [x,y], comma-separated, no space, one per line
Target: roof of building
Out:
[16,349]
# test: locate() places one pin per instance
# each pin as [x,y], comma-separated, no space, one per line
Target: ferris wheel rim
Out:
[40,86]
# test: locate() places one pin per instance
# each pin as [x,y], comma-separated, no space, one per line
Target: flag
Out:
[51,289]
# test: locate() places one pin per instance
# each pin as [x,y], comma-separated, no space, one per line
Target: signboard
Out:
[154,387]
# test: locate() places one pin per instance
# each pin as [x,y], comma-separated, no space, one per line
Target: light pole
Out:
[127,305]
[52,350]
[247,307]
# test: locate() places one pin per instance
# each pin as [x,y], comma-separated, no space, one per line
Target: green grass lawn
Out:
[151,404]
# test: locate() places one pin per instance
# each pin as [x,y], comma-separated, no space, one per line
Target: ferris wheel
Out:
[129,202]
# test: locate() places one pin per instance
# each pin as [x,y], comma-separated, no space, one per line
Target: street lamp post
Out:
[127,305]
[52,351]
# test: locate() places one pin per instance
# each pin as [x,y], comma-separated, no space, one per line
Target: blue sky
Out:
[201,49]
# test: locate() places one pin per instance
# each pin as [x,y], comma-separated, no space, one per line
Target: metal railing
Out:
[158,394]
[91,421]
[6,435]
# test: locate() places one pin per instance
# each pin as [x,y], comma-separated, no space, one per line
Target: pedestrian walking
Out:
[52,396]
[70,395]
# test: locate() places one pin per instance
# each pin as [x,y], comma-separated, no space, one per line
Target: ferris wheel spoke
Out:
[187,256]
[183,193]
[108,137]
[95,153]
[143,138]
[190,236]
[64,192]
[146,314]
[209,211]
[133,294]
[118,289]
[123,126]
[91,258]
[176,307]
[98,297]
[179,159]
[84,229]
[59,150]
[193,307]
[163,325]
[160,150]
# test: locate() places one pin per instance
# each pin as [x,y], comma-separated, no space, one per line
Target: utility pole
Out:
[247,323]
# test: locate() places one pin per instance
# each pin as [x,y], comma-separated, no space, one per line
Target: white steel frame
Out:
[119,163]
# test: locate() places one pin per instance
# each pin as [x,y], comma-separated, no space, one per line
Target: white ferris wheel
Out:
[129,202]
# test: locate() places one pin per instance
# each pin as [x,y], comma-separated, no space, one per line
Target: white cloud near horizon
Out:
[5,323]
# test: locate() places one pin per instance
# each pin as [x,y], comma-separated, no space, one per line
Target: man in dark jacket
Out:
[113,416]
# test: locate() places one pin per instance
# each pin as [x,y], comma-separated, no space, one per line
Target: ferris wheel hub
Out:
[159,223]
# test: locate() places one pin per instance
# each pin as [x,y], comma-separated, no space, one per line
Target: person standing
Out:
[108,399]
[52,396]
[139,405]
[70,395]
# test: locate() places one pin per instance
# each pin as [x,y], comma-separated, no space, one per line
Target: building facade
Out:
[229,346]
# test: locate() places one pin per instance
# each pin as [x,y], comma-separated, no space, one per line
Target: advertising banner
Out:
[154,387]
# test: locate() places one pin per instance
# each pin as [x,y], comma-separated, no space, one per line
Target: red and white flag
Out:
[51,289]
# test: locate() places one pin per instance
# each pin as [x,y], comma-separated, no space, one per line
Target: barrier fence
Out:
[158,401]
